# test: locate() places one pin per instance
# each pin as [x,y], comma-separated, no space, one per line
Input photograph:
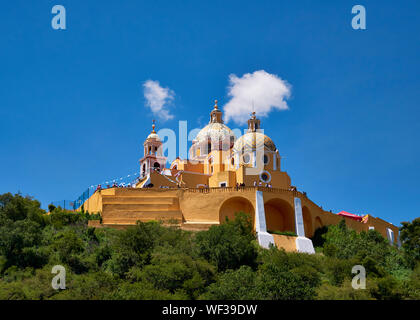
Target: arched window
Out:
[156,165]
[266,159]
[246,158]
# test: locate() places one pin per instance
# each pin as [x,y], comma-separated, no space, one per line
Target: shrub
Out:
[237,284]
[133,247]
[229,245]
[410,238]
[318,238]
[344,292]
[286,276]
[149,261]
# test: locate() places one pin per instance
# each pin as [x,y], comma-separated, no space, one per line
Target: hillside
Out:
[150,261]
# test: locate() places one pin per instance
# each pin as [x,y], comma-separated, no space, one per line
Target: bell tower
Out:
[153,159]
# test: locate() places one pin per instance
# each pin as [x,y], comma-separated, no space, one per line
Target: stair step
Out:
[112,207]
[134,221]
[141,215]
[138,200]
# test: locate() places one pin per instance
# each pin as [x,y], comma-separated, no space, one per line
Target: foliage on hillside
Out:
[149,261]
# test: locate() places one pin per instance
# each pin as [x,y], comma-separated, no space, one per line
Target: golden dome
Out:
[253,141]
[215,131]
[153,134]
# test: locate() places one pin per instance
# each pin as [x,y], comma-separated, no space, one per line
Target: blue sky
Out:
[73,114]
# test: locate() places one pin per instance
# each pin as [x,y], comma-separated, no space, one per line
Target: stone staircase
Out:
[127,206]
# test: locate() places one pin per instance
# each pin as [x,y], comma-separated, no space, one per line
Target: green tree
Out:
[174,272]
[133,247]
[287,276]
[229,245]
[18,244]
[410,238]
[237,284]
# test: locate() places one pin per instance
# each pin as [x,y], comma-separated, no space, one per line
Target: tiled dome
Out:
[216,132]
[253,141]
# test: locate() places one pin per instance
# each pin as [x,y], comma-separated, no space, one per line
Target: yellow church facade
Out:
[223,175]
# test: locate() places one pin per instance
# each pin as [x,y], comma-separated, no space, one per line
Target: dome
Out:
[153,135]
[216,132]
[253,141]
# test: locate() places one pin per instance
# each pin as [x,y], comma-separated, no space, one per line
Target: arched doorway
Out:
[234,205]
[307,222]
[279,215]
[318,223]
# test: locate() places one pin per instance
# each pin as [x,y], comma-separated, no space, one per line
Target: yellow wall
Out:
[193,180]
[229,177]
[214,204]
[205,204]
[288,243]
[94,203]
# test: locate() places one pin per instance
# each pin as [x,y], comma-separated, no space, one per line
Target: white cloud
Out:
[260,89]
[158,99]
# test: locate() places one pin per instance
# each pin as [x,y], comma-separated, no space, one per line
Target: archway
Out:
[279,215]
[307,222]
[234,205]
[156,166]
[318,223]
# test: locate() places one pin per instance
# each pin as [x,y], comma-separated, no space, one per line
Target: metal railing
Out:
[64,204]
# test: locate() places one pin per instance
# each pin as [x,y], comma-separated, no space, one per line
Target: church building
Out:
[222,176]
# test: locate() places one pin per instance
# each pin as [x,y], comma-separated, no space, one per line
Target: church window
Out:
[265,177]
[246,158]
[266,159]
[156,165]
